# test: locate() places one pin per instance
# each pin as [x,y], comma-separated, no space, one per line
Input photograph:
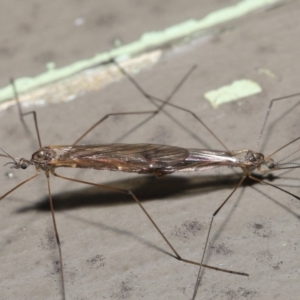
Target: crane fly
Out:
[142,158]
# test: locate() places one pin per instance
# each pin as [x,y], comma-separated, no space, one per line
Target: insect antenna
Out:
[22,114]
[8,156]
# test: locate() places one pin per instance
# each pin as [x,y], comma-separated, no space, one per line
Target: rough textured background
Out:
[110,249]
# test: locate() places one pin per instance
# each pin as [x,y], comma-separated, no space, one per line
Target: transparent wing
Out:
[140,158]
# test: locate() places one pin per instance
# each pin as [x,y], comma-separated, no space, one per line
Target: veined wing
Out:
[140,158]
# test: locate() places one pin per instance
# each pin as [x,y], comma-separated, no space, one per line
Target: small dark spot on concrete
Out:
[193,227]
[50,242]
[264,256]
[258,226]
[222,249]
[55,267]
[125,291]
[182,290]
[277,267]
[188,229]
[97,261]
[241,293]
[262,229]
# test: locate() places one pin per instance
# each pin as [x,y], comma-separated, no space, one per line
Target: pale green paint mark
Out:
[269,73]
[235,91]
[148,40]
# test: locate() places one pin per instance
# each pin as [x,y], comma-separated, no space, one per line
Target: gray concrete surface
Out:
[110,250]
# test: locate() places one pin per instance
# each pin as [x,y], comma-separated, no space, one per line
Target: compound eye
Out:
[251,157]
[23,166]
[270,163]
[39,155]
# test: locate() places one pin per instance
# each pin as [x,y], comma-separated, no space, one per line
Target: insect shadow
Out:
[147,188]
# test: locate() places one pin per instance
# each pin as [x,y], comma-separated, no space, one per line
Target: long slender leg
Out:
[57,237]
[150,97]
[132,195]
[167,103]
[268,113]
[198,281]
[274,186]
[22,114]
[20,184]
[152,112]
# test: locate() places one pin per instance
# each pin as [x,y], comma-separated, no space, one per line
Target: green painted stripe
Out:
[235,91]
[148,40]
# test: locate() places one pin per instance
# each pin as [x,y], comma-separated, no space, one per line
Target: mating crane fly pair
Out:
[153,159]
